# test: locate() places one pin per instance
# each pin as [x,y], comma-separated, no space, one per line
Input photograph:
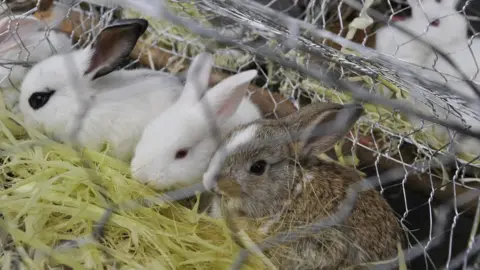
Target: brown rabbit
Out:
[274,187]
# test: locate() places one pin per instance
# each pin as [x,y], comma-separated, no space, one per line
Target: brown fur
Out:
[369,234]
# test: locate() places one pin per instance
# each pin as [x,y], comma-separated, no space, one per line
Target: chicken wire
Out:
[300,66]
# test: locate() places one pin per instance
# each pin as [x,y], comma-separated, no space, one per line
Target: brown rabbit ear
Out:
[327,128]
[114,43]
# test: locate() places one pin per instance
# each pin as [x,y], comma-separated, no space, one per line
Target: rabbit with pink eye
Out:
[175,148]
[266,188]
[25,39]
[448,32]
[423,23]
[450,36]
[121,103]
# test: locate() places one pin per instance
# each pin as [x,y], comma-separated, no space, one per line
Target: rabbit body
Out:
[423,24]
[279,186]
[440,24]
[450,36]
[119,104]
[392,42]
[175,148]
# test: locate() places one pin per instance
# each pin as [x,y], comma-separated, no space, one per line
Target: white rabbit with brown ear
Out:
[121,103]
[451,38]
[271,180]
[393,42]
[24,38]
[175,147]
[448,32]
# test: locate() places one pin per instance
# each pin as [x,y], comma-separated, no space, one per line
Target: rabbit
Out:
[176,146]
[449,34]
[25,39]
[122,102]
[278,186]
[393,42]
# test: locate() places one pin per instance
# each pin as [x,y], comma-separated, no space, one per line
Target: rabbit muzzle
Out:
[228,187]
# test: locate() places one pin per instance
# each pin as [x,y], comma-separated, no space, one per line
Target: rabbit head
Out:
[175,148]
[54,89]
[440,20]
[263,160]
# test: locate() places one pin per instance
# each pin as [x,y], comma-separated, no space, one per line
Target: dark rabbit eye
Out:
[39,99]
[181,153]
[258,167]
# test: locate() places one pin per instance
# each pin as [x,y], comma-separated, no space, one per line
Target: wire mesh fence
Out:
[78,113]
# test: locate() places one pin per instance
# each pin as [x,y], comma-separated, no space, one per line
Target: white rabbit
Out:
[450,36]
[439,24]
[431,21]
[121,102]
[391,41]
[25,39]
[176,147]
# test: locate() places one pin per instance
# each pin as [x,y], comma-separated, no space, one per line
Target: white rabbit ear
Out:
[13,28]
[197,78]
[225,97]
[114,43]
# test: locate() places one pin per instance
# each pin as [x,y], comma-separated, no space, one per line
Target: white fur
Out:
[237,139]
[185,125]
[122,102]
[24,39]
[393,42]
[451,37]
[241,137]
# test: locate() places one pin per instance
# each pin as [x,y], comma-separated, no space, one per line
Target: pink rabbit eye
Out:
[435,23]
[181,153]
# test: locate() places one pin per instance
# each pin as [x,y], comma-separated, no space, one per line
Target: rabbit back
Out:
[369,234]
[393,42]
[119,116]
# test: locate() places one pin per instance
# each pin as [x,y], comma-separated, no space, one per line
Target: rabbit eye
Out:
[181,153]
[258,167]
[39,99]
[435,23]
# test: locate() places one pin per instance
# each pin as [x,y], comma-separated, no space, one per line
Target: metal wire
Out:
[259,27]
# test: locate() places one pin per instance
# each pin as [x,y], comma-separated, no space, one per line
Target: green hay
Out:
[53,198]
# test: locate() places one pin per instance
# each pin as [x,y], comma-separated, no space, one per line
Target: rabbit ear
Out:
[114,43]
[324,128]
[225,97]
[13,28]
[197,78]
